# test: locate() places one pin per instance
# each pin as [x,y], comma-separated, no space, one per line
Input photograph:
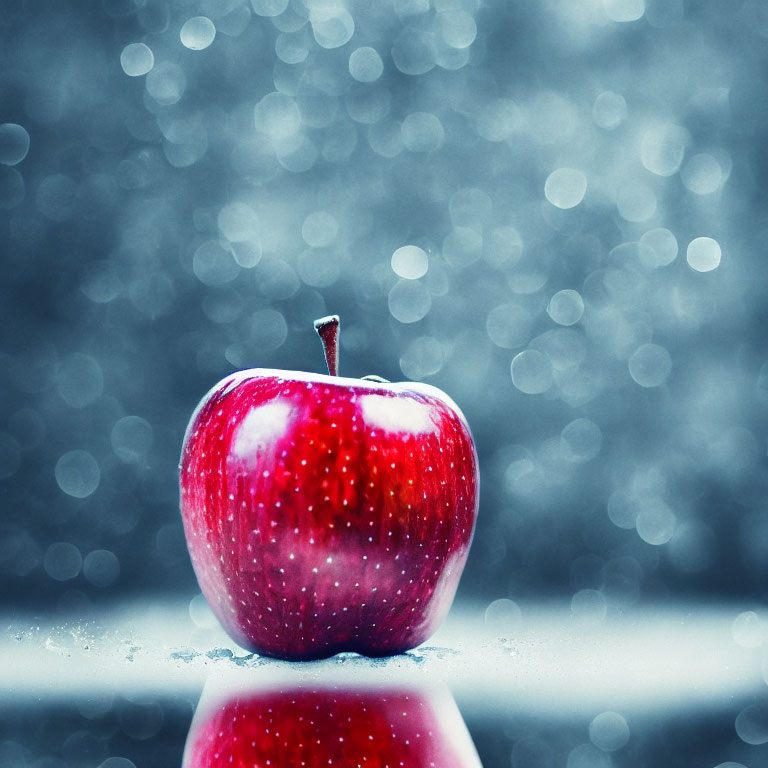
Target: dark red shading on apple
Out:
[322,727]
[325,514]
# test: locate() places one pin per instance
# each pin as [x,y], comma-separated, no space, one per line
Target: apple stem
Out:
[328,330]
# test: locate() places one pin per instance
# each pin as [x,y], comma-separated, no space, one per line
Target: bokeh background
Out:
[552,210]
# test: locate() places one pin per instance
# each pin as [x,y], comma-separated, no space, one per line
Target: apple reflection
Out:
[312,724]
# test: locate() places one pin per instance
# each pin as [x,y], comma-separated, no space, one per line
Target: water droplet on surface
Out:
[566,307]
[410,262]
[62,561]
[565,188]
[609,110]
[365,65]
[101,568]
[703,254]
[650,365]
[137,59]
[609,731]
[532,372]
[197,33]
[14,143]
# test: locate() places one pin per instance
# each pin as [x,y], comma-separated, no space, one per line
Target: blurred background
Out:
[554,211]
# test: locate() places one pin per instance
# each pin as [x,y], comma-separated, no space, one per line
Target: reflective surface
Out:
[678,685]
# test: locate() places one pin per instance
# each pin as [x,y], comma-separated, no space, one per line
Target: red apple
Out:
[326,514]
[315,726]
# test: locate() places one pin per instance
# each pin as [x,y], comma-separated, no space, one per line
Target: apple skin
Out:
[322,726]
[326,514]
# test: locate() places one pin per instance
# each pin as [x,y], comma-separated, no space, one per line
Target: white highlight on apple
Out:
[395,414]
[263,425]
